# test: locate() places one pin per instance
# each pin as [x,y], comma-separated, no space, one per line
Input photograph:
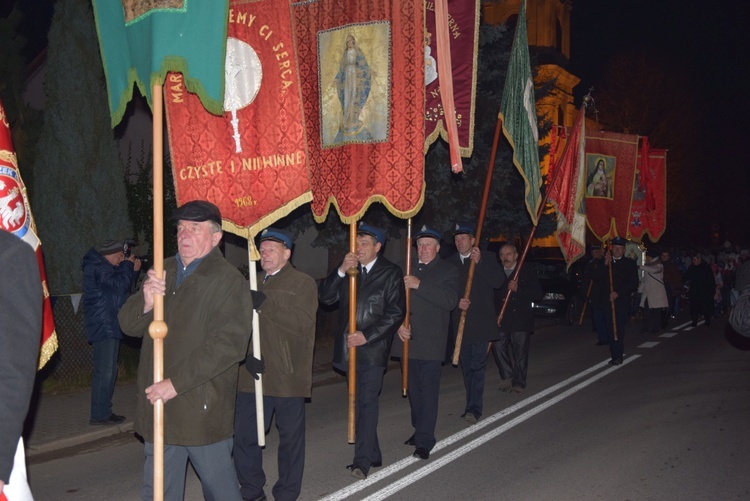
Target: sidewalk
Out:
[62,421]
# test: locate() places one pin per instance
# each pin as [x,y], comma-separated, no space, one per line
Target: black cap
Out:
[463,228]
[373,231]
[619,241]
[197,210]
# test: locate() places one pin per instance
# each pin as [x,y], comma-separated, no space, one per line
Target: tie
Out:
[364,272]
[265,279]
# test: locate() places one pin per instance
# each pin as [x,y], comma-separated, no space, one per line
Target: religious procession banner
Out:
[567,193]
[16,218]
[251,161]
[648,212]
[360,62]
[610,174]
[141,40]
[518,114]
[463,25]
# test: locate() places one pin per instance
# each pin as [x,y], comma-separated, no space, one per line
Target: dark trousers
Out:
[104,377]
[473,359]
[366,446]
[248,455]
[512,352]
[616,346]
[424,389]
[600,323]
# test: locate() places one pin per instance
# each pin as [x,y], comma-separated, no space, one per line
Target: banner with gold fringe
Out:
[362,71]
[16,218]
[251,161]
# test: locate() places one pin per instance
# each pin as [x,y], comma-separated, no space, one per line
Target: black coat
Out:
[381,308]
[431,304]
[625,283]
[481,317]
[519,315]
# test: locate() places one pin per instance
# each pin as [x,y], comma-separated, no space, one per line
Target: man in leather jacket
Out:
[380,312]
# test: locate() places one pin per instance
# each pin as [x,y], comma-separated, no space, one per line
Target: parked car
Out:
[560,288]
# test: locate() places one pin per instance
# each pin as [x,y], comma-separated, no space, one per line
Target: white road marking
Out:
[439,463]
[648,344]
[400,465]
[668,334]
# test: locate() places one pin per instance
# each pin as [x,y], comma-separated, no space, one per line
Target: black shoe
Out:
[356,471]
[421,453]
[601,343]
[616,361]
[112,419]
[409,441]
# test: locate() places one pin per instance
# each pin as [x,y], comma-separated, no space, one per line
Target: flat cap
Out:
[197,210]
[426,231]
[373,231]
[277,235]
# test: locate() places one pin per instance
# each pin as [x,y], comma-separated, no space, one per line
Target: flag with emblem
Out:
[518,114]
[141,40]
[16,218]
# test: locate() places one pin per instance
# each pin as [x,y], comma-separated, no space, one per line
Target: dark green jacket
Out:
[209,321]
[287,334]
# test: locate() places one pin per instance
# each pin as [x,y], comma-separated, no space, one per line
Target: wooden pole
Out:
[352,273]
[585,301]
[259,417]
[405,351]
[612,303]
[478,236]
[158,328]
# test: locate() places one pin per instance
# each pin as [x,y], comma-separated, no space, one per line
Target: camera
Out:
[128,246]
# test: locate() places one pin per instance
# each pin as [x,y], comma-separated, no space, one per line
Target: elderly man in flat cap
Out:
[434,294]
[208,311]
[108,278]
[287,303]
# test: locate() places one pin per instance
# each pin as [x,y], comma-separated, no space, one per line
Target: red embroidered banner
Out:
[463,23]
[361,67]
[648,212]
[566,194]
[252,161]
[16,218]
[610,172]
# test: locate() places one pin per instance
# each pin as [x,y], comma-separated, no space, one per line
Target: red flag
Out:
[361,65]
[252,161]
[463,27]
[567,193]
[610,174]
[16,218]
[648,213]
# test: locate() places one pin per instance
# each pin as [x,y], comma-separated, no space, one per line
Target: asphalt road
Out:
[670,423]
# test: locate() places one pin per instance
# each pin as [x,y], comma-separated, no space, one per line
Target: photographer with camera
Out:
[108,278]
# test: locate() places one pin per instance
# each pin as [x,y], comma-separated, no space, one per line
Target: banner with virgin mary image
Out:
[610,174]
[252,160]
[359,62]
[463,23]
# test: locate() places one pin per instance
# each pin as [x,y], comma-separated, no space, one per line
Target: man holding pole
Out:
[380,312]
[208,309]
[614,282]
[287,303]
[481,318]
[512,351]
[434,293]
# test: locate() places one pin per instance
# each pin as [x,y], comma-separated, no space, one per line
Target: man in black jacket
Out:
[380,312]
[615,295]
[481,318]
[434,293]
[512,351]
